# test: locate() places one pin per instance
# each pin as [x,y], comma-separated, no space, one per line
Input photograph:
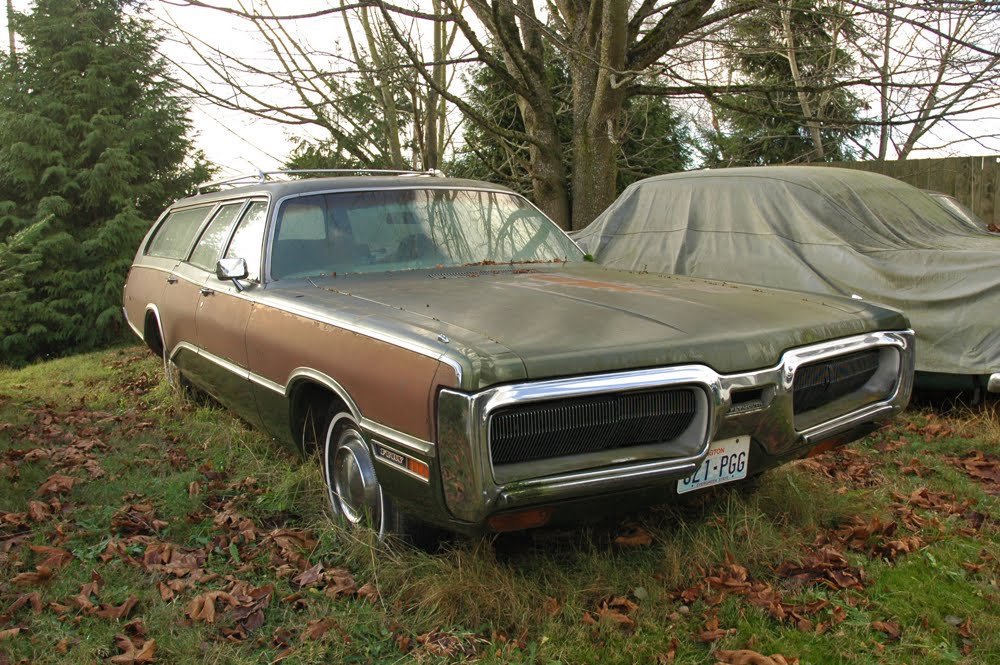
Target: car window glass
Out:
[175,233]
[247,239]
[302,220]
[209,246]
[377,231]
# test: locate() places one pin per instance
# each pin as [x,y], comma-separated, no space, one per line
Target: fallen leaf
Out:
[712,632]
[9,632]
[133,655]
[56,557]
[748,657]
[309,577]
[40,574]
[57,483]
[202,607]
[438,643]
[117,612]
[39,511]
[340,583]
[166,593]
[890,628]
[368,592]
[670,655]
[32,599]
[318,628]
[965,630]
[635,536]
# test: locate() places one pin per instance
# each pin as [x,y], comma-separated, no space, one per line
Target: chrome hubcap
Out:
[355,491]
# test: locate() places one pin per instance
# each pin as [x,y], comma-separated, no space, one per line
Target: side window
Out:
[209,246]
[249,236]
[176,232]
[303,219]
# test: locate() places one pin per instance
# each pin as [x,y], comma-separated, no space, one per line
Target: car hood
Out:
[505,323]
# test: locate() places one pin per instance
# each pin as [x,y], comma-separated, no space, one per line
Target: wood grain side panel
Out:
[390,385]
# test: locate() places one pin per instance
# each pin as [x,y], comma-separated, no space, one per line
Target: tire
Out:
[355,497]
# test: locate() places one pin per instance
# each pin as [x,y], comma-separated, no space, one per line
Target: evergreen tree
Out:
[93,144]
[793,50]
[652,138]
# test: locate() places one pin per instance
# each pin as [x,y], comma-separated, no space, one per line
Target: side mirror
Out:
[231,269]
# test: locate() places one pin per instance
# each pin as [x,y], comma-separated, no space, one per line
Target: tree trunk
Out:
[598,99]
[595,167]
[548,173]
[10,29]
[430,155]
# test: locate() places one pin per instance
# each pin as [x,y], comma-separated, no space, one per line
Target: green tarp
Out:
[823,230]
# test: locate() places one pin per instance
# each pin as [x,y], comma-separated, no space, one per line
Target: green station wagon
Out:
[454,359]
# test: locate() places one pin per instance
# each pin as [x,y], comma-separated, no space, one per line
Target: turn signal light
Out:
[526,519]
[419,468]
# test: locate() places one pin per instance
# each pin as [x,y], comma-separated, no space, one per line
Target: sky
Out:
[240,143]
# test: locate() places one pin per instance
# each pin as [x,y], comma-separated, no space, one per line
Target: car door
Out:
[174,293]
[224,308]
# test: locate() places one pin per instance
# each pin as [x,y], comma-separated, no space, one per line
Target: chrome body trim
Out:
[322,316]
[473,489]
[305,373]
[265,382]
[694,441]
[372,442]
[383,433]
[993,385]
[260,297]
[411,443]
[211,357]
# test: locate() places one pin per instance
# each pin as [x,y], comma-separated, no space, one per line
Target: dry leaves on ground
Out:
[634,536]
[747,657]
[981,467]
[133,653]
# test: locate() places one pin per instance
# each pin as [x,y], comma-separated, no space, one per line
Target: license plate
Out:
[726,461]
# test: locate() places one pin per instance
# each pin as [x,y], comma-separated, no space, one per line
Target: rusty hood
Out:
[505,323]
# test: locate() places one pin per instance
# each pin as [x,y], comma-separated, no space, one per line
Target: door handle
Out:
[171,280]
[207,292]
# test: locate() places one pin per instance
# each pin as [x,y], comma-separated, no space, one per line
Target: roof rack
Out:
[260,177]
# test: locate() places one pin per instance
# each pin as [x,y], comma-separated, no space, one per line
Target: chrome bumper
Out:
[474,489]
[993,385]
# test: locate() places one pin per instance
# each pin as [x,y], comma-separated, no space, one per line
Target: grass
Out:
[740,569]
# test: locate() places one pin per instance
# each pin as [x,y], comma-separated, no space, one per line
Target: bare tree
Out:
[367,104]
[924,64]
[931,64]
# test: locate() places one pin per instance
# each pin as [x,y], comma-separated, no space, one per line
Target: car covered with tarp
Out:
[822,230]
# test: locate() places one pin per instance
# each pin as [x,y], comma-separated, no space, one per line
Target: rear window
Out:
[175,234]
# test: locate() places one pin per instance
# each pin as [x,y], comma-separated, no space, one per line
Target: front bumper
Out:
[473,489]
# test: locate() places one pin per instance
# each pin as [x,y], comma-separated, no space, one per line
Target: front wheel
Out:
[355,497]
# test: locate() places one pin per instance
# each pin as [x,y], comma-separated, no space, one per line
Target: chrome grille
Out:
[579,425]
[820,383]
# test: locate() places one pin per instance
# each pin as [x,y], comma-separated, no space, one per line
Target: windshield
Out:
[377,231]
[959,211]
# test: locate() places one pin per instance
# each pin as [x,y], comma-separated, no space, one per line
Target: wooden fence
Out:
[975,181]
